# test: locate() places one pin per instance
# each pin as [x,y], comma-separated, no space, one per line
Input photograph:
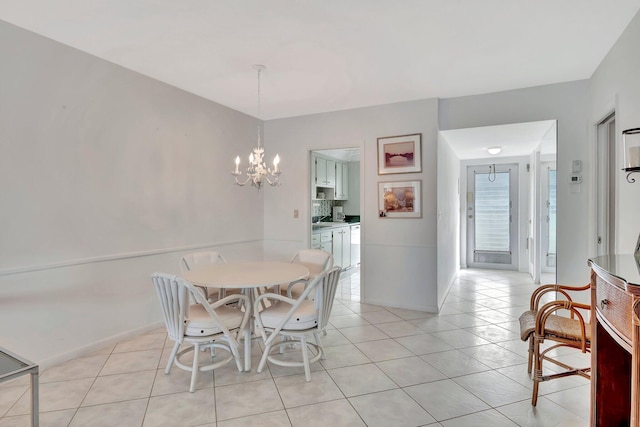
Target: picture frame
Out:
[400,199]
[400,154]
[637,251]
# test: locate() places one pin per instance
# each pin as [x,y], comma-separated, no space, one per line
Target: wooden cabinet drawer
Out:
[618,308]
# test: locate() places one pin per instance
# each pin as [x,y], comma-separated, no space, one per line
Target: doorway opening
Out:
[335,210]
[530,149]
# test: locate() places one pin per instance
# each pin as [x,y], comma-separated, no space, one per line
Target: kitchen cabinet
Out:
[342,181]
[355,245]
[325,172]
[342,247]
[337,241]
[322,241]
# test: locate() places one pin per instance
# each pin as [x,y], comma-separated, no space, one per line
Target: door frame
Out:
[605,184]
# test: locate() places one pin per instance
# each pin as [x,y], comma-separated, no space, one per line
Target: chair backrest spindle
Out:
[327,292]
[173,304]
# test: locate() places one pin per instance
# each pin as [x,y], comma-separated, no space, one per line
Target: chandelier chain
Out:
[259,104]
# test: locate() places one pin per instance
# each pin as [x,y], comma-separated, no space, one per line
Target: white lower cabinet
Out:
[337,242]
[342,247]
[322,241]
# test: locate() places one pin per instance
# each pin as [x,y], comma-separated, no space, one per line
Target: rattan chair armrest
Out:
[564,290]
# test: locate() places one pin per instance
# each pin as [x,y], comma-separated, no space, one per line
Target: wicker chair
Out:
[547,319]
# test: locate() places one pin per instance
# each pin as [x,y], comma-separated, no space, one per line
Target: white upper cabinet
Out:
[329,174]
[325,172]
[342,181]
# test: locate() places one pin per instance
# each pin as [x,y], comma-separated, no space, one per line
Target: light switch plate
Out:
[576,166]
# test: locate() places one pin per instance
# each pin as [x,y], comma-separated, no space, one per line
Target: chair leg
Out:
[172,358]
[320,347]
[233,345]
[530,361]
[263,359]
[537,371]
[195,368]
[305,358]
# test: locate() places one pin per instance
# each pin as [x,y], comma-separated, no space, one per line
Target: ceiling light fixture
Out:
[258,172]
[494,150]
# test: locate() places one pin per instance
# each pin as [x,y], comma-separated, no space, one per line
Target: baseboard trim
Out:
[98,345]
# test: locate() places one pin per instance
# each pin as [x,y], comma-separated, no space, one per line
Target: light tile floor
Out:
[385,367]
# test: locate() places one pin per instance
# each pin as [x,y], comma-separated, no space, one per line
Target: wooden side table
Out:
[615,340]
[13,366]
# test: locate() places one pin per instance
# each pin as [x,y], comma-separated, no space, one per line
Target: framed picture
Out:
[400,154]
[637,251]
[399,199]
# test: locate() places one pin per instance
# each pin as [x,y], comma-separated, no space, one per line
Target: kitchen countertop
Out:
[326,226]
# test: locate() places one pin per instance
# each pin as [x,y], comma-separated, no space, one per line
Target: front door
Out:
[492,213]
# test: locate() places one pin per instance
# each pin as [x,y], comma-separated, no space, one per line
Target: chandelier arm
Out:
[274,182]
[242,184]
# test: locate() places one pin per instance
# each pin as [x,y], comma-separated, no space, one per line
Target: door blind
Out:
[492,216]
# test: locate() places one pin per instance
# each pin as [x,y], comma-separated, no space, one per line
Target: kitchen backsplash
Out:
[323,207]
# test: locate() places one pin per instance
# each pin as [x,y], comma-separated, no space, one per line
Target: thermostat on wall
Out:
[575,179]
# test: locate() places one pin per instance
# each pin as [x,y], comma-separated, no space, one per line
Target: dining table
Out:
[248,276]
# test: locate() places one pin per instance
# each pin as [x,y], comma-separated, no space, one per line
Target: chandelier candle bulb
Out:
[276,160]
[634,157]
[237,172]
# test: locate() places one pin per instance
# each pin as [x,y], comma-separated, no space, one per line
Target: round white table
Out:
[246,275]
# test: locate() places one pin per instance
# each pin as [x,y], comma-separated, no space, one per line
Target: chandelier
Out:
[258,172]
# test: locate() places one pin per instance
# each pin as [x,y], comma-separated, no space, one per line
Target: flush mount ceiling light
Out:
[494,150]
[258,172]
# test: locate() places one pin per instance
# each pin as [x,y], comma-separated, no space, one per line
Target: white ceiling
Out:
[519,139]
[327,55]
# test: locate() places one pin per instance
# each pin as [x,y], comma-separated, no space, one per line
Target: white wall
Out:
[398,255]
[448,217]
[616,84]
[568,103]
[105,176]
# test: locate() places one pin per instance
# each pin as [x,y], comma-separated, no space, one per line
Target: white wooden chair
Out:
[192,260]
[317,261]
[201,324]
[295,320]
